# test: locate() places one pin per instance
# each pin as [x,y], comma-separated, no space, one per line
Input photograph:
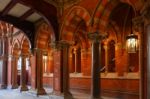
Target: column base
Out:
[96,98]
[23,88]
[57,93]
[40,91]
[37,92]
[65,95]
[68,95]
[14,86]
[3,86]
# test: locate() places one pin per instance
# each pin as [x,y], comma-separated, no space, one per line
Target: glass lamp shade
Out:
[132,43]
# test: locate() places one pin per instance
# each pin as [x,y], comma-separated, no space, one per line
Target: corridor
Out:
[15,94]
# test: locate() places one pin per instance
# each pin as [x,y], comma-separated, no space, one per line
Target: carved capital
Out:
[96,37]
[65,44]
[145,11]
[138,23]
[55,45]
[58,45]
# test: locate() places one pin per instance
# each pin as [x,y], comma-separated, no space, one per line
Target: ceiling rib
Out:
[9,7]
[27,14]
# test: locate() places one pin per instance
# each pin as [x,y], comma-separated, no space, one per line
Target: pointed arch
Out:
[102,13]
[16,47]
[25,45]
[104,9]
[44,35]
[77,19]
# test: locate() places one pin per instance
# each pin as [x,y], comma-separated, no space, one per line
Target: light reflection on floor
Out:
[16,94]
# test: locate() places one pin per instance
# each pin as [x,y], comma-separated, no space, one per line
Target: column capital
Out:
[15,56]
[61,44]
[24,55]
[96,37]
[65,44]
[55,45]
[138,23]
[106,47]
[145,11]
[118,46]
[37,49]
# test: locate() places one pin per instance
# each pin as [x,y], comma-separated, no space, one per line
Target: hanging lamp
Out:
[132,40]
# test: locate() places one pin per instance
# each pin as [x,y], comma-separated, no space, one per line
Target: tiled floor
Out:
[15,94]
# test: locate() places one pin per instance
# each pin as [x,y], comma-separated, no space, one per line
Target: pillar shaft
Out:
[106,58]
[14,61]
[65,50]
[23,74]
[139,25]
[39,72]
[3,66]
[76,61]
[57,82]
[95,70]
[62,74]
[96,65]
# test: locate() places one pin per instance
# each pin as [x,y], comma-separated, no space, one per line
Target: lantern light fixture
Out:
[131,40]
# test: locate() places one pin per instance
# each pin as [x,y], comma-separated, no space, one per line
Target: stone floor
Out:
[16,94]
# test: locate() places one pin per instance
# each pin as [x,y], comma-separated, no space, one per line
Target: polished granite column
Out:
[23,74]
[96,65]
[65,64]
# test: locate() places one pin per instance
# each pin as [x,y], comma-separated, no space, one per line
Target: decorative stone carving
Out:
[138,22]
[96,36]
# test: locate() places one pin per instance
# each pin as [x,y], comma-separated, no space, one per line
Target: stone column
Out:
[106,58]
[61,70]
[14,60]
[51,62]
[23,74]
[4,64]
[39,72]
[57,78]
[96,53]
[71,62]
[139,26]
[76,60]
[65,56]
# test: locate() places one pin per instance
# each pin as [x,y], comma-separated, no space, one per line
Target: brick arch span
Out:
[116,33]
[103,11]
[16,46]
[25,45]
[44,35]
[73,21]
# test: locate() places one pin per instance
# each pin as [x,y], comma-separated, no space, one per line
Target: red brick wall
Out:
[86,63]
[110,87]
[48,81]
[119,88]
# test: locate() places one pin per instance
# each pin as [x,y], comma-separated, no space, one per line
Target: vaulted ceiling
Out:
[23,14]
